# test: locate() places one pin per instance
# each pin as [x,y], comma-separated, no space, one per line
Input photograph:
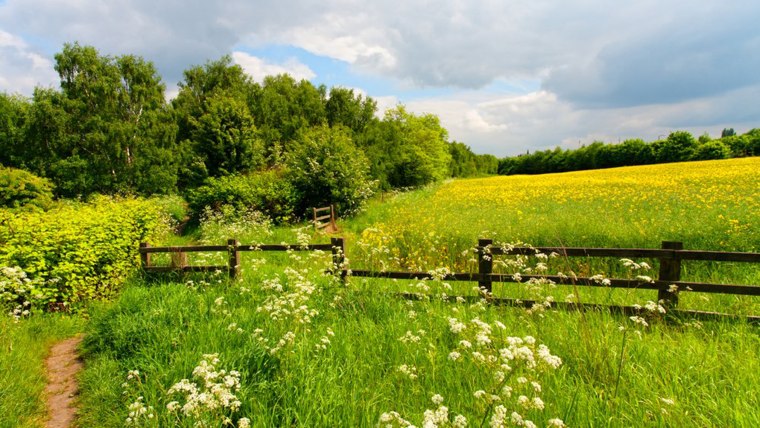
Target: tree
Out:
[487,164]
[753,141]
[462,161]
[678,147]
[14,115]
[345,108]
[327,168]
[99,133]
[226,137]
[727,132]
[283,108]
[711,150]
[202,87]
[406,150]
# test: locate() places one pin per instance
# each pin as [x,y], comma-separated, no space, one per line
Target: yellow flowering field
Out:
[710,205]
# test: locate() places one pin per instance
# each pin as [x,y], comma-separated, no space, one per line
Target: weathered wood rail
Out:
[670,258]
[233,250]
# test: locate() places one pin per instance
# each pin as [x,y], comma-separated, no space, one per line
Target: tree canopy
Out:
[109,129]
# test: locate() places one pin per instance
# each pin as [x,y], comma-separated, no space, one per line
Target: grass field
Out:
[287,345]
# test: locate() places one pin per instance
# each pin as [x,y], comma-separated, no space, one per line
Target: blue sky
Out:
[504,77]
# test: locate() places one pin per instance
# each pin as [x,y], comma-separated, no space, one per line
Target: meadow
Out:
[288,345]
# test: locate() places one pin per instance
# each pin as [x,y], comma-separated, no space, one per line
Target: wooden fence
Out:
[668,282]
[670,257]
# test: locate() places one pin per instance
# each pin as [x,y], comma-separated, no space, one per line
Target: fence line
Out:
[668,283]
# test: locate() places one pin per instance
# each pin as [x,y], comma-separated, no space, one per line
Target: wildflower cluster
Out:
[438,417]
[510,397]
[650,311]
[288,305]
[16,290]
[218,225]
[139,412]
[211,397]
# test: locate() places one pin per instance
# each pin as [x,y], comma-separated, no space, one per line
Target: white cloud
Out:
[259,68]
[605,69]
[21,68]
[510,125]
[384,104]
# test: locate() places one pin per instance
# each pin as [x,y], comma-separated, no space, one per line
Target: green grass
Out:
[23,348]
[609,377]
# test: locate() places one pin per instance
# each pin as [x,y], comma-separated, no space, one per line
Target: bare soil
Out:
[62,366]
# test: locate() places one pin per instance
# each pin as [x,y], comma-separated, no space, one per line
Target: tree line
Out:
[109,129]
[679,146]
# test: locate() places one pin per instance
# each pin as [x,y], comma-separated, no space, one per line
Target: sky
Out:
[504,76]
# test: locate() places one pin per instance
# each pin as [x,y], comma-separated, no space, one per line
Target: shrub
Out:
[75,252]
[265,191]
[19,188]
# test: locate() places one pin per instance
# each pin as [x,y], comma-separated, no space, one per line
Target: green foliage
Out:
[212,108]
[283,108]
[108,129]
[226,138]
[715,149]
[327,168]
[266,191]
[75,252]
[14,114]
[353,111]
[678,147]
[407,150]
[753,142]
[19,188]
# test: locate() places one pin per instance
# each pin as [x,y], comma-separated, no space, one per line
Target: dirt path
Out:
[62,366]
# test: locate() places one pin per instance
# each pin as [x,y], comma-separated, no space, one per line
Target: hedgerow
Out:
[59,259]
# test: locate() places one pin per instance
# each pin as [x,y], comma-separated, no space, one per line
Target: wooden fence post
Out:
[144,257]
[234,257]
[670,270]
[485,265]
[338,255]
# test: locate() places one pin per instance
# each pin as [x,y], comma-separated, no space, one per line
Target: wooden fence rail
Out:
[233,250]
[670,258]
